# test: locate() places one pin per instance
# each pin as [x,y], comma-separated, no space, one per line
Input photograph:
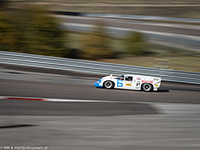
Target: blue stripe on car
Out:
[96,84]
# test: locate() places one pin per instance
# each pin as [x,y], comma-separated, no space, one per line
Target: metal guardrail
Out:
[30,60]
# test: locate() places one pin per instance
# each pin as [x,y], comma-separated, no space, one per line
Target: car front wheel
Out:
[108,84]
[147,87]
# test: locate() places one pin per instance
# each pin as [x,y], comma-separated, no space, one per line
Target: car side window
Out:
[129,78]
[120,77]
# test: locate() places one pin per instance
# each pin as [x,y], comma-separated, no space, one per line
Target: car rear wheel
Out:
[108,84]
[147,87]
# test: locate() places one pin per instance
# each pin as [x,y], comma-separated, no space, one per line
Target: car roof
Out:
[130,74]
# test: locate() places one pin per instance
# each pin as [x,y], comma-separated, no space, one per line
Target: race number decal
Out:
[119,83]
[138,83]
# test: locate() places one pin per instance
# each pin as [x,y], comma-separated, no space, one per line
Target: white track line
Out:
[68,100]
[170,108]
[93,101]
[57,100]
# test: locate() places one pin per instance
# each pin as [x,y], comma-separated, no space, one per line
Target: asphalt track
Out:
[20,107]
[172,93]
[133,120]
[29,84]
[67,85]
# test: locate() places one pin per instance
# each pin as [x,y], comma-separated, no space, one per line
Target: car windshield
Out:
[121,77]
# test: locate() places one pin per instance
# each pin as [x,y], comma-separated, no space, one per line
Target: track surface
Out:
[11,107]
[174,93]
[26,84]
[67,85]
[151,123]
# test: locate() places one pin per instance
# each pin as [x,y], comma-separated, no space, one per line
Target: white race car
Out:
[130,81]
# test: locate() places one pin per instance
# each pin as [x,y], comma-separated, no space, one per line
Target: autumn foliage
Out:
[96,44]
[31,30]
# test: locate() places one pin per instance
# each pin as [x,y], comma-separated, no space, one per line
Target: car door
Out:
[129,82]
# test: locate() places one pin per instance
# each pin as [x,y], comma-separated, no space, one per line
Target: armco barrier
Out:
[30,60]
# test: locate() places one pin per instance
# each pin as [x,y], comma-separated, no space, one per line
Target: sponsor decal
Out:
[138,83]
[119,83]
[138,78]
[156,79]
[128,84]
[146,81]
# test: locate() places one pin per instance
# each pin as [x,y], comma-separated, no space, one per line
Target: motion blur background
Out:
[146,33]
[142,33]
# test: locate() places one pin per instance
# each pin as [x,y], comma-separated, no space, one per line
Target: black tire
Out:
[147,87]
[108,84]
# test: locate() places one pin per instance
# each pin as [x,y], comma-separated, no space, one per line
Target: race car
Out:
[130,82]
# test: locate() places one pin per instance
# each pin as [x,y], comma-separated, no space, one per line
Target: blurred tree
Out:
[43,34]
[9,35]
[3,3]
[135,43]
[95,44]
[32,30]
[74,53]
